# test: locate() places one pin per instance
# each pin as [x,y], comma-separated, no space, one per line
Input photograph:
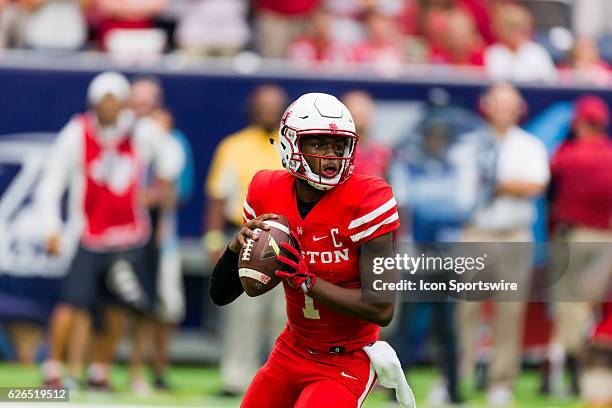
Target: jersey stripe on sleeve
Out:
[366,233]
[378,221]
[373,214]
[248,213]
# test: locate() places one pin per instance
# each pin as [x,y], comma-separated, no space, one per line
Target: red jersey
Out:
[350,214]
[582,176]
[113,217]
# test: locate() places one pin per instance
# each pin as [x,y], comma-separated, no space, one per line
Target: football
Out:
[257,259]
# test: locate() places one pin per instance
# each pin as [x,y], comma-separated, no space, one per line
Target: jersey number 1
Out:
[309,310]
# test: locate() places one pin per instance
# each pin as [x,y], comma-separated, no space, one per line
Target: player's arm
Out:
[225,285]
[60,164]
[344,300]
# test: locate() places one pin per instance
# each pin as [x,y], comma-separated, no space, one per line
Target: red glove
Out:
[295,268]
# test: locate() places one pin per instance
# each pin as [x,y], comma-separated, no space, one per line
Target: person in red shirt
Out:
[585,65]
[582,170]
[383,47]
[319,45]
[111,15]
[581,212]
[461,43]
[371,158]
[278,22]
[324,358]
[480,11]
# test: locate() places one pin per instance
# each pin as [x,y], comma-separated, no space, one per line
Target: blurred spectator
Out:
[461,43]
[433,20]
[520,168]
[552,25]
[581,211]
[26,338]
[408,18]
[172,302]
[428,167]
[278,22]
[213,27]
[347,27]
[371,158]
[597,374]
[449,29]
[10,35]
[409,23]
[585,65]
[99,155]
[162,249]
[383,47]
[592,18]
[584,156]
[236,160]
[515,57]
[54,24]
[349,14]
[145,101]
[128,23]
[480,10]
[435,13]
[43,24]
[426,175]
[319,45]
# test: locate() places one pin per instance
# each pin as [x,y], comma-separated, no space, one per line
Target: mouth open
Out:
[330,170]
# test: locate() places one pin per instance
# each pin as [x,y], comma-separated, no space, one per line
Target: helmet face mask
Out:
[317,115]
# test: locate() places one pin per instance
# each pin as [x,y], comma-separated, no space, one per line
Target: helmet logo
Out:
[285,116]
[333,127]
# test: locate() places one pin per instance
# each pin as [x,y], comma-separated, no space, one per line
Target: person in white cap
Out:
[102,155]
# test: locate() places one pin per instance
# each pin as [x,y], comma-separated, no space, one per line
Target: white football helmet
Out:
[316,114]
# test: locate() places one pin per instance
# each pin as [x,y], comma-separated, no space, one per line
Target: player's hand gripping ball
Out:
[294,266]
[257,261]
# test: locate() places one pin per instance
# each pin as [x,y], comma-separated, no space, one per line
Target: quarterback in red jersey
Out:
[319,360]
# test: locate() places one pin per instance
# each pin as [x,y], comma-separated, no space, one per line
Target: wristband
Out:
[308,283]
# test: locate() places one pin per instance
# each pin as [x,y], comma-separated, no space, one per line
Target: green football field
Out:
[197,386]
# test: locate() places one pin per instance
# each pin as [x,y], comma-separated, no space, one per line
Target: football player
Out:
[318,360]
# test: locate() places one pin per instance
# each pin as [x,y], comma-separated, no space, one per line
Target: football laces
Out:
[246,252]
